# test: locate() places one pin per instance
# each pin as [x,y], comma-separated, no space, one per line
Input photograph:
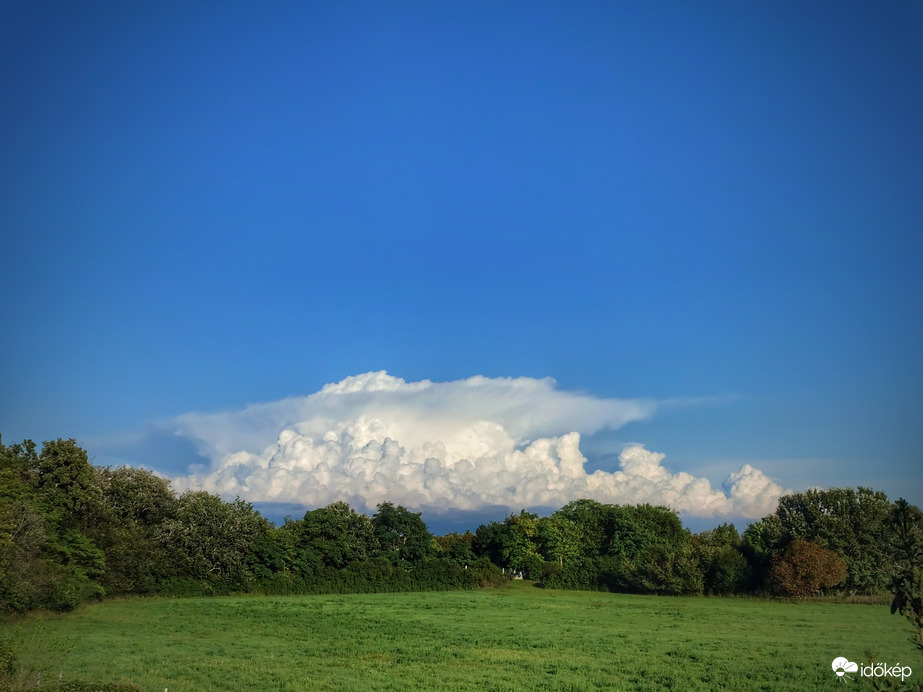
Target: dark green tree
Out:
[403,538]
[640,548]
[723,566]
[490,541]
[68,484]
[457,547]
[512,544]
[338,534]
[761,541]
[906,524]
[22,529]
[47,502]
[661,556]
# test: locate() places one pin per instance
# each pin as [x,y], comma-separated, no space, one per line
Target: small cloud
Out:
[752,492]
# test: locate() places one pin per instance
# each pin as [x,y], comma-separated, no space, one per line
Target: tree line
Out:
[71,532]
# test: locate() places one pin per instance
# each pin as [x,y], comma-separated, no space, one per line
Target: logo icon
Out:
[841,666]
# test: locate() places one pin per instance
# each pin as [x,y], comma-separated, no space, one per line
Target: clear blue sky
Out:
[206,205]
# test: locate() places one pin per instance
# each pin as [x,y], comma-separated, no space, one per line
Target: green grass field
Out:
[515,638]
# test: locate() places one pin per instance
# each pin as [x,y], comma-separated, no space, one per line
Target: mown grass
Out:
[516,638]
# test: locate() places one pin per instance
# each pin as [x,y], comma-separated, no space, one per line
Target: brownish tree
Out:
[805,568]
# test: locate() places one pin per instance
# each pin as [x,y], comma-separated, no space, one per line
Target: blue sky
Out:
[213,205]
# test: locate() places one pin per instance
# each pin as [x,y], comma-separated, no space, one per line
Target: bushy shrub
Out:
[670,573]
[185,587]
[726,573]
[581,576]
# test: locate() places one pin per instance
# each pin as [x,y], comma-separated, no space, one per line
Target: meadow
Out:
[513,638]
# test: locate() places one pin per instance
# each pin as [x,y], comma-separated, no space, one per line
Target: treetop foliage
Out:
[71,531]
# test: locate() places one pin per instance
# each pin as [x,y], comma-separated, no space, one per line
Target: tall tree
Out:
[490,541]
[851,522]
[137,504]
[724,569]
[211,539]
[906,523]
[559,539]
[137,495]
[338,534]
[68,483]
[457,547]
[403,538]
[588,518]
[47,502]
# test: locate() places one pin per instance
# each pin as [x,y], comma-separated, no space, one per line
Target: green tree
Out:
[299,557]
[47,502]
[632,531]
[559,540]
[22,542]
[210,539]
[664,561]
[457,547]
[850,521]
[906,524]
[338,534]
[22,528]
[761,541]
[68,484]
[647,550]
[18,478]
[137,503]
[670,571]
[138,496]
[640,548]
[403,538]
[588,517]
[520,549]
[489,541]
[723,566]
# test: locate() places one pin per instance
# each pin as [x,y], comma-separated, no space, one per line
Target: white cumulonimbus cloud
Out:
[460,445]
